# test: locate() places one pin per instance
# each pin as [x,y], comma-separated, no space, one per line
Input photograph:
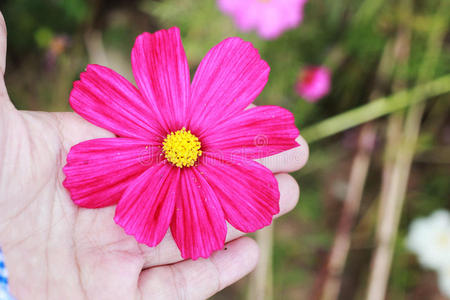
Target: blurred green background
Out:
[373,47]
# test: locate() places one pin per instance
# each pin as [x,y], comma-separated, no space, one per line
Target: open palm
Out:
[56,250]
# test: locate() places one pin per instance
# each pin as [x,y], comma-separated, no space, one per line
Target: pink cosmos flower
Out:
[183,156]
[314,83]
[270,18]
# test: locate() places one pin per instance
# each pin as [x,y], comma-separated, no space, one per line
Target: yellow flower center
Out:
[182,148]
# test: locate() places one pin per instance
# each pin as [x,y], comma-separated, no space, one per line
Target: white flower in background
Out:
[444,281]
[429,238]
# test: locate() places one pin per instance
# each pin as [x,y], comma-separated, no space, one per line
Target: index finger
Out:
[288,161]
[2,44]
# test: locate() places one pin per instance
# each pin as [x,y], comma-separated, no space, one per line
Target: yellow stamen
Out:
[182,148]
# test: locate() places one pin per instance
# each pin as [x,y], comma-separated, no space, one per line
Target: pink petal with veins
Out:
[98,171]
[198,225]
[162,74]
[229,78]
[254,133]
[247,190]
[146,208]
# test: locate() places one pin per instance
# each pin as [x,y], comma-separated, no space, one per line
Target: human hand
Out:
[57,250]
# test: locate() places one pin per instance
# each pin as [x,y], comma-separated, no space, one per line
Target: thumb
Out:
[2,44]
[5,103]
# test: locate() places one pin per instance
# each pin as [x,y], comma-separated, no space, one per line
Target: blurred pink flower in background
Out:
[269,18]
[313,83]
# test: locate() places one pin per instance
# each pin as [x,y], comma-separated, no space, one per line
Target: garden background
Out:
[379,141]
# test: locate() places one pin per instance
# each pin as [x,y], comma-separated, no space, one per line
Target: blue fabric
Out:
[4,291]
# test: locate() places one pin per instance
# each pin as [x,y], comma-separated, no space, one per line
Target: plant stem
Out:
[329,283]
[367,10]
[261,280]
[378,108]
[393,200]
[342,242]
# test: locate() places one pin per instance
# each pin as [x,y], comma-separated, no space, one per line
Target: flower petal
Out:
[248,191]
[98,171]
[146,208]
[254,133]
[162,74]
[227,80]
[108,100]
[198,226]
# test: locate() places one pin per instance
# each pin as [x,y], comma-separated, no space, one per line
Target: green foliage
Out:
[43,37]
[26,18]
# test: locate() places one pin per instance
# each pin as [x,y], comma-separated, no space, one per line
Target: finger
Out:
[288,161]
[289,195]
[6,106]
[202,278]
[167,252]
